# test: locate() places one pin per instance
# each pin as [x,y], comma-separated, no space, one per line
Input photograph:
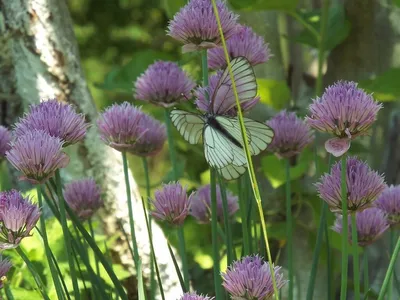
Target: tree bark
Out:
[40,60]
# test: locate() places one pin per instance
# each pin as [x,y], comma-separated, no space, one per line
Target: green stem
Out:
[289,229]
[7,290]
[153,252]
[181,236]
[171,148]
[366,273]
[391,283]
[147,178]
[130,209]
[389,271]
[204,68]
[47,250]
[329,257]
[67,240]
[243,206]
[56,266]
[252,174]
[321,45]
[356,258]
[34,273]
[77,245]
[182,250]
[214,229]
[343,290]
[98,253]
[94,238]
[178,271]
[317,251]
[227,224]
[306,25]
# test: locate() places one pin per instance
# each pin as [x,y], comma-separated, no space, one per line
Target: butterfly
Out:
[221,134]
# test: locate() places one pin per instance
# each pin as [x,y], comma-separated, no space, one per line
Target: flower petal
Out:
[337,147]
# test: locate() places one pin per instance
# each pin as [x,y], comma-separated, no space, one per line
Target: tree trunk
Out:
[40,60]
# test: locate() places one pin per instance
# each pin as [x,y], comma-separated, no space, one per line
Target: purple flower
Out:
[201,204]
[363,186]
[371,224]
[345,111]
[194,296]
[171,204]
[250,278]
[389,202]
[5,139]
[83,196]
[291,134]
[57,119]
[225,102]
[37,155]
[125,127]
[243,43]
[5,266]
[18,216]
[164,84]
[195,25]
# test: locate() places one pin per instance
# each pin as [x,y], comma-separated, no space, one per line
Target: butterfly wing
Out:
[223,98]
[189,125]
[219,149]
[259,135]
[231,172]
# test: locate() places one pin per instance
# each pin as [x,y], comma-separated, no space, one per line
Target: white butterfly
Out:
[223,145]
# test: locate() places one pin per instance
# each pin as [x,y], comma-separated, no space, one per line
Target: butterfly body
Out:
[221,133]
[211,120]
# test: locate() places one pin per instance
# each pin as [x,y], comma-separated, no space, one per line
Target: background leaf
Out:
[172,6]
[274,93]
[338,28]
[274,168]
[251,5]
[385,86]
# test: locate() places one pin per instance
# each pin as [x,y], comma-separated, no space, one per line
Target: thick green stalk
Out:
[147,178]
[153,252]
[130,209]
[356,258]
[289,229]
[343,289]
[67,238]
[252,174]
[7,290]
[366,273]
[227,223]
[389,271]
[214,229]
[242,208]
[47,250]
[34,273]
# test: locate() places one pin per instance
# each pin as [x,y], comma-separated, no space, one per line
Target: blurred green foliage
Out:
[117,41]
